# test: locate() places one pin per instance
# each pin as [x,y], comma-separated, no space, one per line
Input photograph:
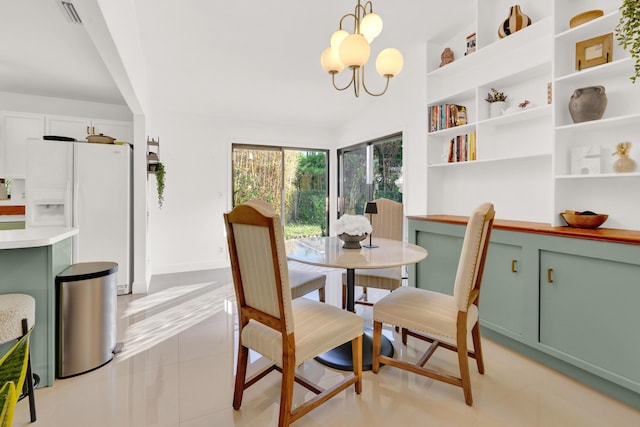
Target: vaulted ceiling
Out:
[252,59]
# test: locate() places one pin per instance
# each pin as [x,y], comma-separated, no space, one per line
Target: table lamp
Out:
[371,208]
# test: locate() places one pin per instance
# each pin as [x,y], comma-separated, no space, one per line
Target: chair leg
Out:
[344,297]
[321,295]
[377,344]
[241,372]
[477,347]
[405,333]
[286,392]
[28,382]
[463,361]
[356,351]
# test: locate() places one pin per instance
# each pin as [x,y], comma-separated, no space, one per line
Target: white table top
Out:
[328,252]
[34,237]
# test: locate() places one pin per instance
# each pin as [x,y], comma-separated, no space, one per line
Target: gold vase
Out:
[624,164]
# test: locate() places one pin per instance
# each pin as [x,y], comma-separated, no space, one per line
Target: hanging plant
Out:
[160,176]
[628,32]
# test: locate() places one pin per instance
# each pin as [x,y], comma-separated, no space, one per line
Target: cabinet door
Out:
[437,272]
[17,128]
[502,291]
[74,127]
[588,312]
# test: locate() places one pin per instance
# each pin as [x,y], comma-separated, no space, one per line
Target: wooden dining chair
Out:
[302,282]
[284,330]
[443,320]
[386,224]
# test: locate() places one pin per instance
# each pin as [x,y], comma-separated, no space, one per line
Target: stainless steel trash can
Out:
[86,307]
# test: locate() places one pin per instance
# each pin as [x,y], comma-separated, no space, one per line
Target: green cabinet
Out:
[567,302]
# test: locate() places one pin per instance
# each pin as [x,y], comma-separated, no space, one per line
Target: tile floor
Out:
[177,366]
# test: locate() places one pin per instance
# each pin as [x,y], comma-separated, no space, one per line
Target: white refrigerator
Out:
[87,186]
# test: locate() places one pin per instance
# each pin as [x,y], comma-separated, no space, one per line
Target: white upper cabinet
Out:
[15,130]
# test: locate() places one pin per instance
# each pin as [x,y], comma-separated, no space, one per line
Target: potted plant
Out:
[628,32]
[497,102]
[160,176]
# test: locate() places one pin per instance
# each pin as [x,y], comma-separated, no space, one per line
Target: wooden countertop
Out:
[12,210]
[613,235]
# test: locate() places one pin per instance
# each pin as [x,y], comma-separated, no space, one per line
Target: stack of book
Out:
[446,116]
[462,148]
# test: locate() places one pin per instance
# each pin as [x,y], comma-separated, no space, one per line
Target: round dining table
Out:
[328,252]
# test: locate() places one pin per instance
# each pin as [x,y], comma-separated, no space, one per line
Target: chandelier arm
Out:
[333,80]
[370,4]
[371,93]
[355,19]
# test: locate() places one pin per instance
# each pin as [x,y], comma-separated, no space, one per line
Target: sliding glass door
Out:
[369,171]
[294,181]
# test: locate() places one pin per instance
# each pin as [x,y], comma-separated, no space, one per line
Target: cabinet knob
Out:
[514,265]
[550,275]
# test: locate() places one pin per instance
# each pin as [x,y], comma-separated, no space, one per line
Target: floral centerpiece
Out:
[352,229]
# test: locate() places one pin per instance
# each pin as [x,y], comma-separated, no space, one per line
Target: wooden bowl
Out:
[574,219]
[585,17]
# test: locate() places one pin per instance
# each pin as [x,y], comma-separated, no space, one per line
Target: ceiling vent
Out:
[69,11]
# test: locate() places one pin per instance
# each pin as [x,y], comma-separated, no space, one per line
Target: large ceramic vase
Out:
[514,22]
[588,103]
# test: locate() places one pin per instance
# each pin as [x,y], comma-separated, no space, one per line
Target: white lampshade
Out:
[371,26]
[354,50]
[389,62]
[336,38]
[330,60]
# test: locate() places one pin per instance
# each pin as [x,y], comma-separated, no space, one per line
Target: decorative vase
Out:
[3,191]
[350,241]
[588,103]
[624,164]
[514,22]
[496,109]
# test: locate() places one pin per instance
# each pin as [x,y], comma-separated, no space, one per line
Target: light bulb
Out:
[336,38]
[389,62]
[354,50]
[330,60]
[371,26]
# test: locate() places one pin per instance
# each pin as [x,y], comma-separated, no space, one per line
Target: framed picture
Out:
[471,43]
[594,51]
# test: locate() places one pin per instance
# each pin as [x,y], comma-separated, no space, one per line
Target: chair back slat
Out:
[473,255]
[387,223]
[259,265]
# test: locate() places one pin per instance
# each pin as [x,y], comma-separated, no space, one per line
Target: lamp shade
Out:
[371,208]
[371,26]
[389,62]
[330,61]
[336,39]
[354,50]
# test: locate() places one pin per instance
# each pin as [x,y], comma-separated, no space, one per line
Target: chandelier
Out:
[353,50]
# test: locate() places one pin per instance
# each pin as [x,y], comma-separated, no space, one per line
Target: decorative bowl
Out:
[100,139]
[584,17]
[583,220]
[350,241]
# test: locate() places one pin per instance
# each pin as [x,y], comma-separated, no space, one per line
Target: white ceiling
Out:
[252,59]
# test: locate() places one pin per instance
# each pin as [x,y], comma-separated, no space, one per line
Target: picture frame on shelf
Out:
[594,51]
[587,160]
[471,43]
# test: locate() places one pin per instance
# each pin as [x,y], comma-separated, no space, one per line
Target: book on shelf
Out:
[462,148]
[445,116]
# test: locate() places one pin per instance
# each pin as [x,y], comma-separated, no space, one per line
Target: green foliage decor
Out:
[160,177]
[628,32]
[495,96]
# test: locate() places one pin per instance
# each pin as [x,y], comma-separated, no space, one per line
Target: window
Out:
[369,171]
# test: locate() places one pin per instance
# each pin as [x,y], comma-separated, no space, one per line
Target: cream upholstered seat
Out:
[286,331]
[443,320]
[386,224]
[301,282]
[17,318]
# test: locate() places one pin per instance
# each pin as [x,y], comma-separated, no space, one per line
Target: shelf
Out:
[609,70]
[612,122]
[454,131]
[599,176]
[601,25]
[527,114]
[545,156]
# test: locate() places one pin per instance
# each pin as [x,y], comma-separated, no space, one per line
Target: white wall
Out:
[188,232]
[402,108]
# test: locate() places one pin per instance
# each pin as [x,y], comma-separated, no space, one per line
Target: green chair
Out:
[13,370]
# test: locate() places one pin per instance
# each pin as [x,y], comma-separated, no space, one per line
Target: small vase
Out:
[588,103]
[624,164]
[496,109]
[350,241]
[514,22]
